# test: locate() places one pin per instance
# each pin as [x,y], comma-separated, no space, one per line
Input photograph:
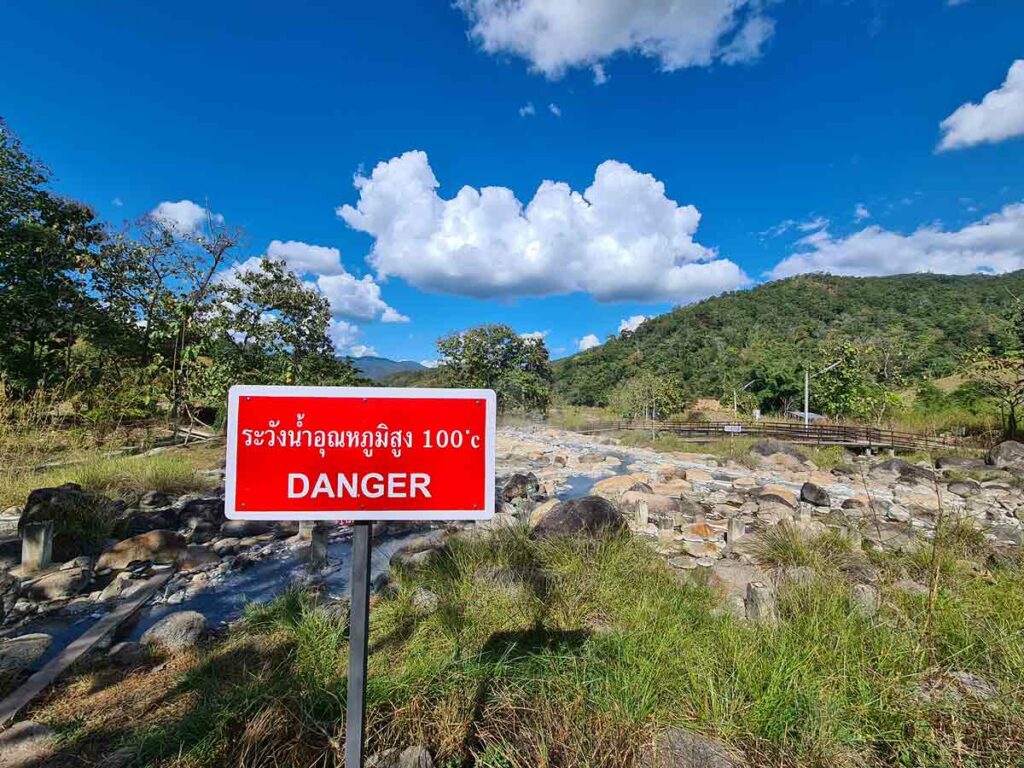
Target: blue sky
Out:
[775,121]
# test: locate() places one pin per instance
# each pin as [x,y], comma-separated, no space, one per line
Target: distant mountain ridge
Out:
[379,368]
[715,346]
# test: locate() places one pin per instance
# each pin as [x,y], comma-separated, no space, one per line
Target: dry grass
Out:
[173,470]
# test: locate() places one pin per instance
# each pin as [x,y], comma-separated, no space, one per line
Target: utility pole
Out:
[807,397]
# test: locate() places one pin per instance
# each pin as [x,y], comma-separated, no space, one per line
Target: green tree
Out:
[45,241]
[496,357]
[853,386]
[267,327]
[647,396]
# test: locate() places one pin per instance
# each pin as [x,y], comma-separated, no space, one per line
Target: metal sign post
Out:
[358,643]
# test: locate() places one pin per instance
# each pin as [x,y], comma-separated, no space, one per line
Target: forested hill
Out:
[921,324]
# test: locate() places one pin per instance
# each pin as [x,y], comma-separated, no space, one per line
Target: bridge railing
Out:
[812,434]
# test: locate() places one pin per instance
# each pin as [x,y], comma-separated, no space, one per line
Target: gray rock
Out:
[520,486]
[10,591]
[1008,455]
[410,757]
[974,686]
[640,487]
[197,556]
[206,509]
[959,462]
[771,447]
[26,744]
[425,601]
[683,748]
[158,546]
[815,495]
[18,653]
[176,631]
[905,471]
[964,488]
[911,587]
[865,599]
[240,529]
[588,516]
[591,458]
[203,532]
[154,500]
[224,547]
[58,585]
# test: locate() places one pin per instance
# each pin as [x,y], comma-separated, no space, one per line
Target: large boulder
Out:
[64,505]
[520,486]
[770,447]
[176,631]
[1009,454]
[18,653]
[815,495]
[588,516]
[158,546]
[58,585]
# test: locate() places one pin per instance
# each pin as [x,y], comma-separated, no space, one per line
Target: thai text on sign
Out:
[359,453]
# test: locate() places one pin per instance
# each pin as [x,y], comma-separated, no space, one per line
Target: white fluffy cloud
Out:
[994,243]
[631,323]
[350,297]
[536,335]
[556,35]
[998,117]
[588,342]
[343,334]
[620,239]
[361,350]
[861,212]
[357,298]
[184,216]
[527,110]
[303,258]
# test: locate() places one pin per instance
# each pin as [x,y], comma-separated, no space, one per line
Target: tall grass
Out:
[122,477]
[573,652]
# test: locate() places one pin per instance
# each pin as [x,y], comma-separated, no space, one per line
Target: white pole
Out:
[807,395]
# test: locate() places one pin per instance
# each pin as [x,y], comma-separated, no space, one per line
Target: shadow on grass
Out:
[508,653]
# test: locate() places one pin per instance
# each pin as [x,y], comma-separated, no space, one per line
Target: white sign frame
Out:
[423,515]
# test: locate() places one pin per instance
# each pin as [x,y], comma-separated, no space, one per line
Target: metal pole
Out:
[807,396]
[358,637]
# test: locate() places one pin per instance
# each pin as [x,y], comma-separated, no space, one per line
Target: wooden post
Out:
[318,548]
[737,530]
[36,546]
[642,514]
[760,602]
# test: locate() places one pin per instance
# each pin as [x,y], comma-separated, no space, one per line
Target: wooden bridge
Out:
[852,436]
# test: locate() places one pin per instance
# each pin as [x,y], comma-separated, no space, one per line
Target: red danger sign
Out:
[359,453]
